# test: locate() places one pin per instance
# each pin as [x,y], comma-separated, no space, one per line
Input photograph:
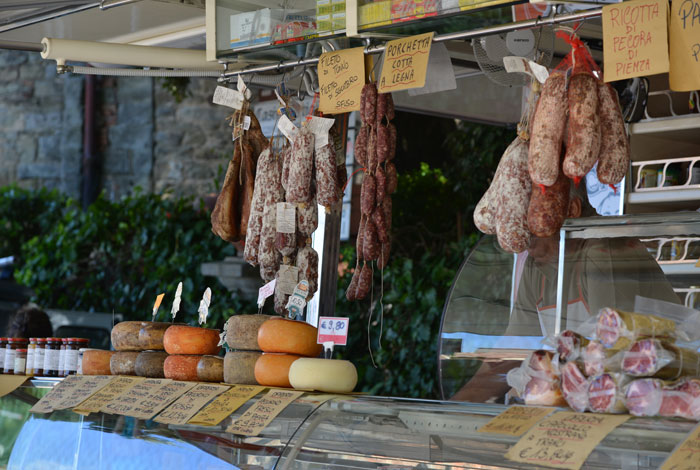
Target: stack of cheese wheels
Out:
[283,342]
[138,346]
[186,346]
[242,339]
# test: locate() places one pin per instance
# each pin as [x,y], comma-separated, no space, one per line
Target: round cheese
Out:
[324,375]
[272,370]
[183,339]
[125,336]
[181,367]
[151,335]
[279,335]
[123,362]
[239,367]
[96,362]
[242,331]
[150,364]
[210,369]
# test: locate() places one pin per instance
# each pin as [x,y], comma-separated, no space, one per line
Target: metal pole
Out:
[475,33]
[47,16]
[22,46]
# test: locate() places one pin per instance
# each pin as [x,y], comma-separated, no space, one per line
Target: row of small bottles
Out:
[48,357]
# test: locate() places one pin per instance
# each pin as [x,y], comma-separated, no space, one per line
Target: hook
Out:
[300,92]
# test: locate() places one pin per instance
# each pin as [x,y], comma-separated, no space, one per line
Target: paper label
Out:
[287,127]
[515,420]
[246,123]
[176,301]
[684,45]
[190,403]
[266,291]
[405,63]
[10,383]
[333,329]
[564,440]
[228,97]
[287,279]
[156,305]
[225,404]
[286,217]
[255,419]
[635,40]
[151,405]
[203,310]
[522,65]
[341,76]
[243,88]
[125,403]
[686,456]
[70,392]
[320,128]
[117,387]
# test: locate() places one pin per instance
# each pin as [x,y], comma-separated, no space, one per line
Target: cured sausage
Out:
[380,224]
[252,239]
[392,178]
[570,345]
[326,177]
[301,166]
[268,257]
[281,300]
[386,206]
[681,399]
[547,131]
[359,243]
[487,207]
[370,242]
[382,107]
[286,243]
[380,181]
[549,208]
[513,200]
[307,218]
[372,152]
[286,156]
[225,218]
[307,262]
[651,357]
[351,291]
[383,144]
[583,133]
[361,146]
[643,397]
[574,387]
[368,194]
[364,282]
[605,394]
[618,329]
[368,103]
[342,178]
[614,157]
[594,357]
[392,142]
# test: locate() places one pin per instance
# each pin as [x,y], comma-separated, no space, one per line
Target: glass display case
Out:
[314,432]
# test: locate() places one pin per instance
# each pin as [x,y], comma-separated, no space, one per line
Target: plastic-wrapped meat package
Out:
[596,359]
[570,345]
[617,329]
[643,397]
[652,357]
[574,386]
[681,399]
[606,395]
[536,380]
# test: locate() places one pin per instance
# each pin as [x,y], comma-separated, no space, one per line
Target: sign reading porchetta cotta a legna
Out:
[405,63]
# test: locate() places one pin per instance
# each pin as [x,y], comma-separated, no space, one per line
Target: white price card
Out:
[320,128]
[286,217]
[266,291]
[287,127]
[333,329]
[228,97]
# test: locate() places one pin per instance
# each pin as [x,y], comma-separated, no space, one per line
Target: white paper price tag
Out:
[228,97]
[522,65]
[266,291]
[287,127]
[333,329]
[287,279]
[243,89]
[286,217]
[320,127]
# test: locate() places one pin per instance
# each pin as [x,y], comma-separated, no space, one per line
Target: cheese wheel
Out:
[210,369]
[96,362]
[125,336]
[324,375]
[150,364]
[181,367]
[183,339]
[123,362]
[279,335]
[239,367]
[272,370]
[242,331]
[151,335]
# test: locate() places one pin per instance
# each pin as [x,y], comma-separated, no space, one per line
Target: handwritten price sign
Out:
[684,42]
[405,63]
[333,329]
[341,76]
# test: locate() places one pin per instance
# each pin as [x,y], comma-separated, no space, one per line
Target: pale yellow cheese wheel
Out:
[242,331]
[324,375]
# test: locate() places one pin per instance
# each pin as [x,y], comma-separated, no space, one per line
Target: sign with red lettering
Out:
[684,39]
[333,329]
[635,39]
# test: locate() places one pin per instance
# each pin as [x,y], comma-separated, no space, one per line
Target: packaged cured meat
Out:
[361,145]
[301,166]
[618,329]
[368,103]
[252,238]
[606,394]
[307,262]
[570,345]
[597,359]
[614,156]
[548,208]
[574,386]
[536,380]
[486,209]
[513,200]
[643,397]
[307,218]
[583,132]
[367,195]
[681,399]
[547,131]
[651,357]
[326,177]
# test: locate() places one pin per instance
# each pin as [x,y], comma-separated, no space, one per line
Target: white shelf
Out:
[680,127]
[665,195]
[679,268]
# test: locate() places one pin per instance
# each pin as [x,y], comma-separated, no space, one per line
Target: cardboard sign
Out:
[70,392]
[149,406]
[341,76]
[10,383]
[635,41]
[255,419]
[405,63]
[225,404]
[190,403]
[684,45]
[564,440]
[515,420]
[686,456]
[123,404]
[117,387]
[333,329]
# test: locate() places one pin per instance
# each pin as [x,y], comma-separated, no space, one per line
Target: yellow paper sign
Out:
[564,440]
[255,419]
[150,406]
[341,76]
[686,456]
[126,402]
[515,420]
[70,392]
[684,45]
[225,404]
[405,63]
[190,403]
[117,387]
[10,383]
[635,40]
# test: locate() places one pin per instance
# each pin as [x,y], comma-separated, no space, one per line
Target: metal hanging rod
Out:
[22,46]
[475,33]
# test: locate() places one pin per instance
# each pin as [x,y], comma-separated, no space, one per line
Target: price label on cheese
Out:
[125,403]
[149,406]
[686,456]
[117,387]
[405,63]
[70,392]
[515,420]
[185,407]
[255,419]
[225,404]
[341,76]
[564,440]
[684,45]
[333,329]
[228,97]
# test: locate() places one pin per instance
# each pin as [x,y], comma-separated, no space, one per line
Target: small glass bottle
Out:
[72,354]
[31,350]
[20,362]
[51,356]
[39,355]
[3,346]
[62,357]
[13,344]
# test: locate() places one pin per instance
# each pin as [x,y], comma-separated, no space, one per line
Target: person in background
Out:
[29,322]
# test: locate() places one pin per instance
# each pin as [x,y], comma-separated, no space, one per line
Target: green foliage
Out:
[177,87]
